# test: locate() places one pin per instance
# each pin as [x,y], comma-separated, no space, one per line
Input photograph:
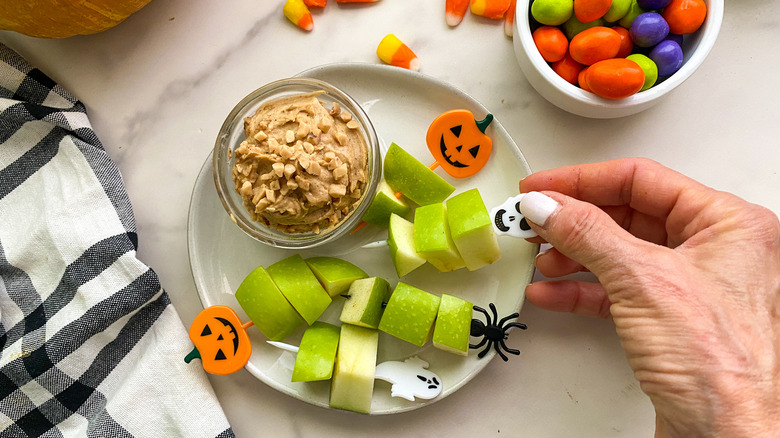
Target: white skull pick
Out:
[508,220]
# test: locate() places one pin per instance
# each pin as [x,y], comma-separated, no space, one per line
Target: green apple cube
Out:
[409,314]
[266,306]
[432,238]
[472,230]
[316,353]
[365,304]
[301,288]
[400,240]
[453,325]
[352,386]
[334,274]
[415,180]
[383,205]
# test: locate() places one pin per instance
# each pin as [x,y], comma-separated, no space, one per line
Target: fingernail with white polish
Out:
[537,207]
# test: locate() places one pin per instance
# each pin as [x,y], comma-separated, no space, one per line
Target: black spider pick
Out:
[494,332]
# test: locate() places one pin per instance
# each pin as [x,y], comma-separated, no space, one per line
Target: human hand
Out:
[690,276]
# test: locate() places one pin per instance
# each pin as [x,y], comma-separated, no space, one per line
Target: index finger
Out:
[640,183]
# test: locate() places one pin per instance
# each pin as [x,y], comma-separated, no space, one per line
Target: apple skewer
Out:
[506,218]
[458,144]
[397,195]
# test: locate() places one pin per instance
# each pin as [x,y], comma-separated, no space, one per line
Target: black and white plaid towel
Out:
[90,344]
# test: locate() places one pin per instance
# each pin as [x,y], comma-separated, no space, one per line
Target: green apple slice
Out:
[432,238]
[409,314]
[352,386]
[471,229]
[453,325]
[383,205]
[400,240]
[316,353]
[301,288]
[415,180]
[334,274]
[266,306]
[364,307]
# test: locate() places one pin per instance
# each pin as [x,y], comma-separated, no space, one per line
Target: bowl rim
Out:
[706,40]
[234,120]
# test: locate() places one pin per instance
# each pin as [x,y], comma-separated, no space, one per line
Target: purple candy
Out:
[668,56]
[676,38]
[648,29]
[652,4]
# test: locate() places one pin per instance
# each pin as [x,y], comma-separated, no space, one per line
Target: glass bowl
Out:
[232,134]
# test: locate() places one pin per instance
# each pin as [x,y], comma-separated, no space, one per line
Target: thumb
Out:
[582,231]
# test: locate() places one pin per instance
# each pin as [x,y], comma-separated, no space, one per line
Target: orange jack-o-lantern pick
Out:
[458,142]
[220,340]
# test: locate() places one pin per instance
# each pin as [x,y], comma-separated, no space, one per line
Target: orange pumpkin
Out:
[458,142]
[64,18]
[220,340]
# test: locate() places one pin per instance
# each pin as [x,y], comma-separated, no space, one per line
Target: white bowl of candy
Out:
[667,41]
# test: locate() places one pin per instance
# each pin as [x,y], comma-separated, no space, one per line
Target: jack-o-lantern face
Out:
[458,142]
[220,340]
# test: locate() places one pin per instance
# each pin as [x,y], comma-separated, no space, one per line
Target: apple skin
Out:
[453,325]
[352,385]
[383,205]
[472,230]
[432,238]
[410,314]
[301,288]
[415,180]
[400,240]
[364,307]
[316,353]
[334,274]
[266,306]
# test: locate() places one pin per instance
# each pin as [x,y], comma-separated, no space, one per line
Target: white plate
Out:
[401,104]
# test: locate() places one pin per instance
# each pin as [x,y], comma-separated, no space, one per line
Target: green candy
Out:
[552,12]
[633,11]
[573,26]
[648,66]
[618,10]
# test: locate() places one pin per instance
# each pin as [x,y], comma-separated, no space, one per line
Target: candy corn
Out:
[315,3]
[357,1]
[394,52]
[494,9]
[297,12]
[454,11]
[509,19]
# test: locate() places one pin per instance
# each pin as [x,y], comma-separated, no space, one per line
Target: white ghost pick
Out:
[410,379]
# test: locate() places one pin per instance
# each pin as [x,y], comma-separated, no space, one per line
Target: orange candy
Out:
[582,79]
[551,43]
[626,44]
[615,78]
[509,19]
[590,10]
[685,16]
[297,12]
[568,69]
[594,44]
[455,10]
[493,9]
[315,3]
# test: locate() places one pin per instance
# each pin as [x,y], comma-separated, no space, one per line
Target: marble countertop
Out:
[158,87]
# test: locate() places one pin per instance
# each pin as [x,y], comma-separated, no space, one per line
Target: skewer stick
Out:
[283,346]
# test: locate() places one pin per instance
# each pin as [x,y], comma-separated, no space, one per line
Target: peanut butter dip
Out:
[303,167]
